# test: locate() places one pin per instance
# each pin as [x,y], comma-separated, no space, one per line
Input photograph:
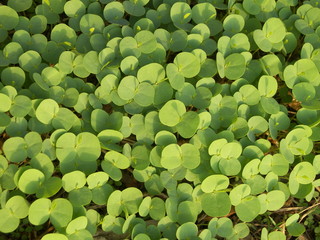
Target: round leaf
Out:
[188,64]
[61,212]
[54,236]
[171,113]
[5,103]
[216,204]
[47,110]
[18,206]
[73,180]
[9,18]
[15,149]
[214,183]
[248,209]
[146,41]
[30,181]
[171,156]
[234,66]
[8,222]
[274,30]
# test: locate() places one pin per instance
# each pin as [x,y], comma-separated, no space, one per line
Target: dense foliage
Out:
[156,119]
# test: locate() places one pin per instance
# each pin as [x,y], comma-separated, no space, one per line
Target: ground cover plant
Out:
[149,119]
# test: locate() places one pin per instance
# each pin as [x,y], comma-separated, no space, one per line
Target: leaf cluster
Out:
[158,119]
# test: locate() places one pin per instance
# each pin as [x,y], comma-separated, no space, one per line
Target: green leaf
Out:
[171,156]
[8,222]
[9,18]
[30,61]
[144,94]
[157,208]
[127,87]
[248,209]
[214,183]
[304,173]
[73,180]
[114,205]
[129,47]
[188,64]
[241,230]
[190,156]
[13,76]
[80,197]
[216,145]
[238,193]
[269,105]
[188,124]
[113,12]
[178,40]
[38,24]
[91,23]
[176,79]
[21,5]
[271,64]
[140,157]
[100,194]
[277,235]
[203,12]
[12,52]
[234,66]
[30,181]
[216,204]
[164,138]
[4,164]
[129,65]
[279,165]
[304,92]
[152,73]
[18,206]
[274,30]
[231,150]
[250,95]
[180,13]
[187,212]
[171,113]
[97,179]
[91,62]
[61,211]
[134,8]
[47,110]
[293,226]
[5,103]
[15,149]
[275,200]
[64,35]
[64,119]
[117,159]
[50,187]
[39,211]
[54,236]
[74,9]
[224,227]
[187,230]
[267,86]
[257,125]
[114,172]
[144,207]
[146,41]
[21,106]
[303,70]
[34,142]
[233,23]
[88,146]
